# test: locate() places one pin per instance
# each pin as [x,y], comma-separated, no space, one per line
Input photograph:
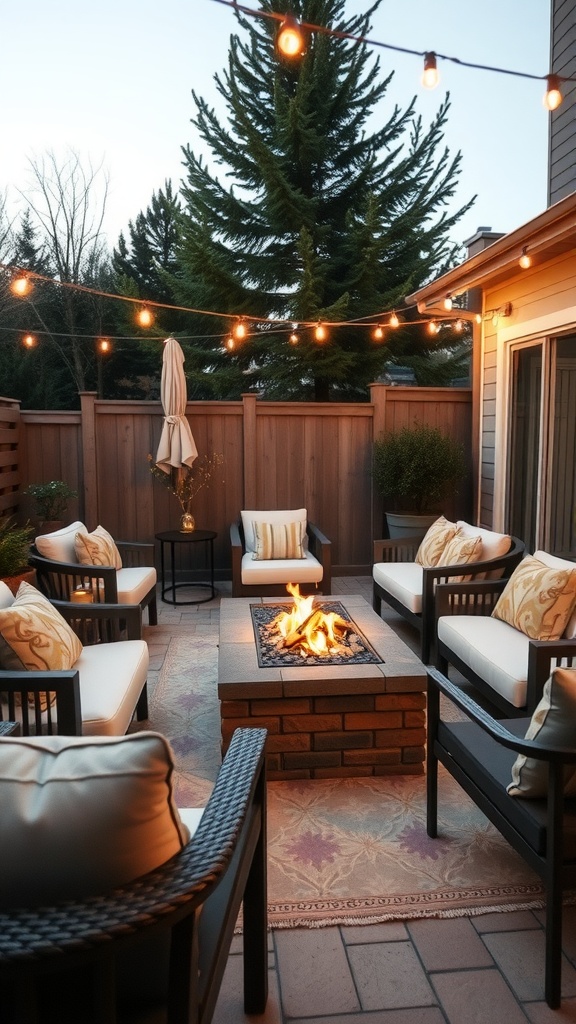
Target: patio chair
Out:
[276,547]
[99,662]
[59,571]
[153,946]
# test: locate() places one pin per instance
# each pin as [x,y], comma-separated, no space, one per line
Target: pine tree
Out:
[314,217]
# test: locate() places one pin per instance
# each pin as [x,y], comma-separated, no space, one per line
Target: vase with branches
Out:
[184,483]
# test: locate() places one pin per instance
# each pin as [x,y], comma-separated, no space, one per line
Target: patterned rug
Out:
[344,850]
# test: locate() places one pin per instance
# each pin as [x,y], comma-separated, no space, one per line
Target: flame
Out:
[316,632]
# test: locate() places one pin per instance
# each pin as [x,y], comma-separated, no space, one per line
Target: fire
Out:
[314,631]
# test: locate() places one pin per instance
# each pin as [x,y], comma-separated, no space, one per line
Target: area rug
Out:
[351,851]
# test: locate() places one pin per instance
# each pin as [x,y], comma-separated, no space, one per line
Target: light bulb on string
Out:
[104,346]
[145,317]
[290,38]
[525,260]
[229,344]
[239,331]
[553,96]
[393,321]
[21,285]
[448,303]
[378,333]
[293,339]
[433,327]
[320,332]
[430,76]
[29,341]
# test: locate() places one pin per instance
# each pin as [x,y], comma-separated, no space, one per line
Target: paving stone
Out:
[520,957]
[418,1015]
[476,997]
[540,1013]
[388,975]
[515,920]
[389,931]
[314,971]
[448,944]
[230,1005]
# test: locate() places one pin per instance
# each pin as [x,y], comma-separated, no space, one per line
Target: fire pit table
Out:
[324,719]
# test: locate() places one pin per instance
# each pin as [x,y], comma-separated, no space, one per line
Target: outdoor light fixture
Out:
[293,339]
[145,317]
[29,341]
[20,285]
[320,332]
[290,38]
[239,331]
[393,321]
[448,302]
[525,260]
[433,327]
[378,333]
[230,344]
[430,76]
[552,97]
[104,346]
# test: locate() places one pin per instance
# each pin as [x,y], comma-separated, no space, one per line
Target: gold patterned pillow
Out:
[278,540]
[538,600]
[97,548]
[34,636]
[434,542]
[459,551]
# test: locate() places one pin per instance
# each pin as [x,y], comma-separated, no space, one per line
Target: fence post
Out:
[89,466]
[249,453]
[378,394]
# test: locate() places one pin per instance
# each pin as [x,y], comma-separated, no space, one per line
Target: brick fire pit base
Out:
[325,721]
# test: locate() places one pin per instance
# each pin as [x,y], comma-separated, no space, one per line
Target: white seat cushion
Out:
[60,545]
[134,583]
[497,652]
[403,580]
[280,570]
[111,680]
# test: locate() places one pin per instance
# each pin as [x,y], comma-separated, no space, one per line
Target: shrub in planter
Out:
[14,551]
[414,466]
[50,500]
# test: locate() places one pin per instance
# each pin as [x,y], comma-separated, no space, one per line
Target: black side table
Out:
[172,538]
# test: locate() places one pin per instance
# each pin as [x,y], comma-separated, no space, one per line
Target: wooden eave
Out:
[546,236]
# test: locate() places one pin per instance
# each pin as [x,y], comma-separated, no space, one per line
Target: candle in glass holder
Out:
[82,596]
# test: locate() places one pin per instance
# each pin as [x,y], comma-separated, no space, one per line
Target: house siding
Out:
[562,134]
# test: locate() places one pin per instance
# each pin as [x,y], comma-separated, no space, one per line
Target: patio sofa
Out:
[154,944]
[507,652]
[406,571]
[284,547]
[520,772]
[98,678]
[117,572]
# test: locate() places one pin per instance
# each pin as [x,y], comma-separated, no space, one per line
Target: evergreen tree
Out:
[314,217]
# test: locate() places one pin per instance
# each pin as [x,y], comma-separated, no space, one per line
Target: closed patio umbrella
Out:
[176,447]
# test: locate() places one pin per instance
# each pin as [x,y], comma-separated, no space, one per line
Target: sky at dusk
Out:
[113,82]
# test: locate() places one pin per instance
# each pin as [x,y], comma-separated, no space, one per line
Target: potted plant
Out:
[50,502]
[413,469]
[14,552]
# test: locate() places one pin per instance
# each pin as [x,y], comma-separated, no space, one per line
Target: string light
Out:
[552,97]
[448,303]
[20,285]
[393,321]
[433,327]
[320,332]
[145,317]
[104,346]
[430,76]
[525,260]
[230,344]
[293,339]
[29,341]
[290,38]
[239,331]
[378,333]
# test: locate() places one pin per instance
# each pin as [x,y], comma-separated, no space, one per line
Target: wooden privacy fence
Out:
[276,455]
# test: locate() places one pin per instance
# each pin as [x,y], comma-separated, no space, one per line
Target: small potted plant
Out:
[413,469]
[14,553]
[50,502]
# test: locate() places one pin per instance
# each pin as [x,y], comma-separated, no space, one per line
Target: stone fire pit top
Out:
[239,672]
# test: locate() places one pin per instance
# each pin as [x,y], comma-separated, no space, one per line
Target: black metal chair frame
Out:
[195,898]
[319,546]
[542,817]
[57,580]
[404,549]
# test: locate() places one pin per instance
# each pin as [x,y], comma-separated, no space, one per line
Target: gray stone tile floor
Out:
[483,969]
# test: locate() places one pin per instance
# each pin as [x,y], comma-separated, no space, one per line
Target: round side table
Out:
[171,538]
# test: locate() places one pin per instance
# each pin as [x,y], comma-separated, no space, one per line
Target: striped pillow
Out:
[278,540]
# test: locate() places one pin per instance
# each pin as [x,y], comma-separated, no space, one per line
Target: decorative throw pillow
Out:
[553,723]
[82,815]
[538,600]
[251,516]
[278,540]
[97,548]
[459,551]
[35,636]
[434,542]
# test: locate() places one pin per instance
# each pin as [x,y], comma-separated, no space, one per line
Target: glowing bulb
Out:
[320,332]
[378,333]
[145,317]
[448,302]
[459,326]
[29,341]
[393,321]
[552,97]
[20,285]
[239,331]
[230,344]
[293,338]
[433,327]
[104,346]
[430,76]
[525,260]
[290,39]
[478,318]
